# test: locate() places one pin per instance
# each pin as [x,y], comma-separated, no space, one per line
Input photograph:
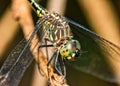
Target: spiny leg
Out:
[42,46]
[64,67]
[54,54]
[59,64]
[46,40]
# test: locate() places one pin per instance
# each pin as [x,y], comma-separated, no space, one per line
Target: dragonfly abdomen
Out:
[40,11]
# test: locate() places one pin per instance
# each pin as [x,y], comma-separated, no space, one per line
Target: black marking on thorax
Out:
[56,27]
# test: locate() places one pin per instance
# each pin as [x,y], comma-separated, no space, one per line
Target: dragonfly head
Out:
[70,50]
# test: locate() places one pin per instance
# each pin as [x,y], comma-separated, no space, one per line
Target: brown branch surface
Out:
[21,13]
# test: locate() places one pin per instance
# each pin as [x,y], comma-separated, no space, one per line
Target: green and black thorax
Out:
[57,31]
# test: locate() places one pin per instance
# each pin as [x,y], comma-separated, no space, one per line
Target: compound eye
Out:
[77,53]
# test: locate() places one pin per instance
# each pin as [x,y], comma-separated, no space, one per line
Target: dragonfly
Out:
[74,44]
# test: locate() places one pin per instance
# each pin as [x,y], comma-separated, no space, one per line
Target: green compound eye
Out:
[70,50]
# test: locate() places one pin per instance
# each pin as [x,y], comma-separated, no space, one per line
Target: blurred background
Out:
[101,16]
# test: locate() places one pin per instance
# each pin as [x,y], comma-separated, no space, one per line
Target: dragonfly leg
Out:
[50,60]
[46,40]
[54,54]
[59,66]
[42,46]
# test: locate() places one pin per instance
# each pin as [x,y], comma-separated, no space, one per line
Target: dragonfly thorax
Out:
[70,50]
[58,32]
[55,27]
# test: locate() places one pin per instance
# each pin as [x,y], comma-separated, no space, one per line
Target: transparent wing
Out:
[95,50]
[17,62]
[14,67]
